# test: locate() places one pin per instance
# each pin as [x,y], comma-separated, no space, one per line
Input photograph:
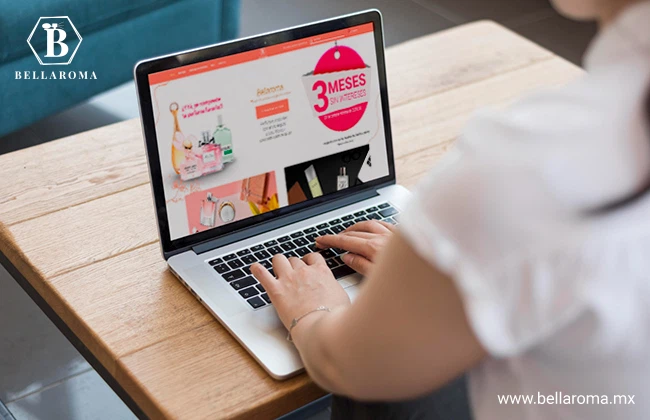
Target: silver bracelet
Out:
[296,320]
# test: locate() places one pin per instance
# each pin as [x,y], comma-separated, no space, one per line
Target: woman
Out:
[521,262]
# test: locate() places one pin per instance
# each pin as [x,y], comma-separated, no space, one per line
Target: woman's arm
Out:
[405,335]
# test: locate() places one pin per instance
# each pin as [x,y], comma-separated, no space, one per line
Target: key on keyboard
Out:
[331,263]
[233,275]
[338,229]
[221,268]
[300,242]
[235,264]
[388,212]
[275,250]
[262,255]
[256,302]
[288,246]
[303,251]
[342,271]
[245,282]
[248,259]
[249,292]
[327,253]
[215,261]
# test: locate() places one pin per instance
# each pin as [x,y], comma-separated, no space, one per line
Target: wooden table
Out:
[77,224]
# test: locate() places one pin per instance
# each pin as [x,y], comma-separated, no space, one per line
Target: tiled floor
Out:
[84,396]
[41,374]
[33,354]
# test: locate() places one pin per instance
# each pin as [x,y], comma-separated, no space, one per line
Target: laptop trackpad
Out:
[350,280]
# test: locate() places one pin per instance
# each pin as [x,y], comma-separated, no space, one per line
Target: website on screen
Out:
[246,134]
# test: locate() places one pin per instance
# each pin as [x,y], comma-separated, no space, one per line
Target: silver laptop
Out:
[258,146]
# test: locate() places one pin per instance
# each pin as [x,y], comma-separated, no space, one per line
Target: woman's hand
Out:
[363,241]
[301,286]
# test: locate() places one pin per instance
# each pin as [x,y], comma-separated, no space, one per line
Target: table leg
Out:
[5,414]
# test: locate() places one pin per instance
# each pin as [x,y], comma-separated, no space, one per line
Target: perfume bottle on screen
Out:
[178,151]
[313,182]
[342,181]
[208,210]
[210,154]
[191,166]
[223,138]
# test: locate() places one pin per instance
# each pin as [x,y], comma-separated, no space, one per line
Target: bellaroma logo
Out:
[61,40]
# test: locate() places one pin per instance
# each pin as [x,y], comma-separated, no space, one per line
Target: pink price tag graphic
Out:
[338,89]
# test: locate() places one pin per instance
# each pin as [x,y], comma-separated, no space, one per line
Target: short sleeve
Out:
[485,218]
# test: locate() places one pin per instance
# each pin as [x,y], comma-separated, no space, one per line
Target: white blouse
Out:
[558,296]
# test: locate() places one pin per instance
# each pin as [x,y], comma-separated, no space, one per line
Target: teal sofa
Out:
[116,34]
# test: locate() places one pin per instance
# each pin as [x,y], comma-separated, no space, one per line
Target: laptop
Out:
[258,146]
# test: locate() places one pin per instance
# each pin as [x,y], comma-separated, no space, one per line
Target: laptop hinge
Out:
[282,221]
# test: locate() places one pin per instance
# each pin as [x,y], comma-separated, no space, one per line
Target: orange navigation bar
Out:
[231,60]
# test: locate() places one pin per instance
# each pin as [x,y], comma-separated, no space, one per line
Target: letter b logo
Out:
[53,31]
[59,39]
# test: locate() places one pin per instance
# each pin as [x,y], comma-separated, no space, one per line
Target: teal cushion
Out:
[112,52]
[18,19]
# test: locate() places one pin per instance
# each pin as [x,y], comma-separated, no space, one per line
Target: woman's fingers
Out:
[263,275]
[362,235]
[313,258]
[281,265]
[347,242]
[331,241]
[358,263]
[371,226]
[387,225]
[328,241]
[296,263]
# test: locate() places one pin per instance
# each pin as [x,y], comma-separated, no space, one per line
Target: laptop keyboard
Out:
[235,267]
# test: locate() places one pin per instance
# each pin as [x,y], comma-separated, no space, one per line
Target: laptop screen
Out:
[249,133]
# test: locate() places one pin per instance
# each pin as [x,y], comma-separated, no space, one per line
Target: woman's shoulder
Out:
[588,142]
[521,176]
